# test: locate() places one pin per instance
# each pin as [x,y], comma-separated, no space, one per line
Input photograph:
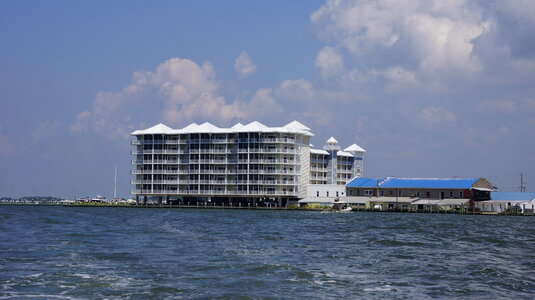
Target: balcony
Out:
[210,192]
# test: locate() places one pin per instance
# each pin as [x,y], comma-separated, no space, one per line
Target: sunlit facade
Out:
[245,163]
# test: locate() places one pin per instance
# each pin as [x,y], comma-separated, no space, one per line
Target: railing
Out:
[155,181]
[138,172]
[258,171]
[212,192]
[159,151]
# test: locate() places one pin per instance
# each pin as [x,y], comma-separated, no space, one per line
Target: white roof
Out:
[296,125]
[318,151]
[206,128]
[157,129]
[255,126]
[191,127]
[343,153]
[354,148]
[332,140]
[293,127]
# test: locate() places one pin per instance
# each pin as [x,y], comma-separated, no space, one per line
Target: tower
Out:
[333,148]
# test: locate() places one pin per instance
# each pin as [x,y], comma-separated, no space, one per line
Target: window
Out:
[461,195]
[382,193]
[327,193]
[399,193]
[428,194]
[336,193]
[317,193]
[368,192]
[418,194]
[451,194]
[350,192]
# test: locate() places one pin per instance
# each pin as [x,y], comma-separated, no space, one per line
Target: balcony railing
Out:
[211,192]
[159,151]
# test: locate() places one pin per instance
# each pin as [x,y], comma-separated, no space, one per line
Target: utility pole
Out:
[522,184]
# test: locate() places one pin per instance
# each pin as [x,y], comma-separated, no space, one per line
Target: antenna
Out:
[115,184]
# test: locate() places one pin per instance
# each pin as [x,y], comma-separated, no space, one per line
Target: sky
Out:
[428,88]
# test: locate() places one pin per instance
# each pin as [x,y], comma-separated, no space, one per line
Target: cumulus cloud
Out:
[244,65]
[183,90]
[437,116]
[296,90]
[44,130]
[329,62]
[434,35]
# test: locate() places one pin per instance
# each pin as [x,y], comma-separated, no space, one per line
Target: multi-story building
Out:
[248,164]
[331,168]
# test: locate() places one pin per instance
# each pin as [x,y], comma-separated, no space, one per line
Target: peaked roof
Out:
[319,151]
[210,128]
[332,140]
[354,148]
[296,125]
[156,129]
[343,153]
[206,127]
[192,126]
[254,126]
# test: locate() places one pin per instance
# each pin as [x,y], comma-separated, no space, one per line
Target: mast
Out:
[115,184]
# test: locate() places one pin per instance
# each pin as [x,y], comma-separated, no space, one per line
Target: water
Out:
[54,252]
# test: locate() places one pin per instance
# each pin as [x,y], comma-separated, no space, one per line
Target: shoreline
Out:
[156,206]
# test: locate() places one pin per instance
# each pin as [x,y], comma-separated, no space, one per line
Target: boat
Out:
[340,206]
[99,199]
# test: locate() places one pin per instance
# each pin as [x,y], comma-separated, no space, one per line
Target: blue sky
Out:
[428,88]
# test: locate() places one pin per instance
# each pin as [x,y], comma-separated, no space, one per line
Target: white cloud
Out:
[296,90]
[505,106]
[181,89]
[329,62]
[433,116]
[44,130]
[435,34]
[244,65]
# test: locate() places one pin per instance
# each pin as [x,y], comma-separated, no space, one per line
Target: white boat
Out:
[340,206]
[99,199]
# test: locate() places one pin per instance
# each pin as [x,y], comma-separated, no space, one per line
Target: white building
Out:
[247,164]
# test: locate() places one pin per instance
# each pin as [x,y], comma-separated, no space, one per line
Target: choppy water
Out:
[53,252]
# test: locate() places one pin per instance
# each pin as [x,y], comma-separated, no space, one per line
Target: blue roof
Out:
[418,183]
[512,196]
[429,183]
[364,182]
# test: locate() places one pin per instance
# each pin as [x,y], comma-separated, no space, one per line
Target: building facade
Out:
[248,164]
[425,188]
